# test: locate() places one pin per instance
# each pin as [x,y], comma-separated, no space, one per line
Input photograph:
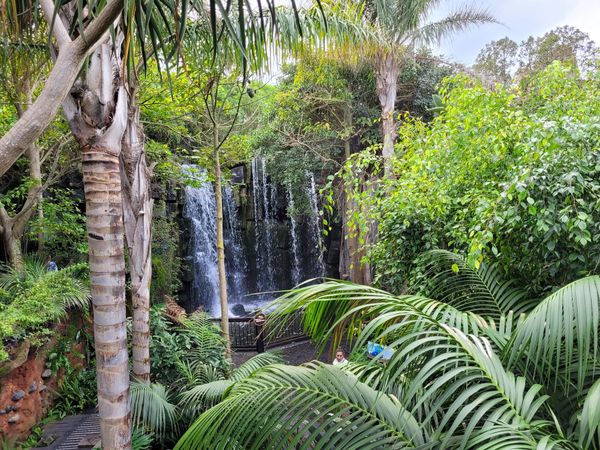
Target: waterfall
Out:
[264,195]
[236,261]
[315,226]
[200,208]
[296,276]
[281,248]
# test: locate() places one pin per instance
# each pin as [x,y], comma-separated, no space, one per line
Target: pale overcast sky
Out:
[520,19]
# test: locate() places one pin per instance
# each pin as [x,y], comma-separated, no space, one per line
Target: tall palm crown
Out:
[390,30]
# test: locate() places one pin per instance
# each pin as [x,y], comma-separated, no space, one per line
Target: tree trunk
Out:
[98,118]
[221,247]
[138,205]
[104,214]
[387,84]
[70,59]
[12,242]
[35,172]
[346,241]
[351,254]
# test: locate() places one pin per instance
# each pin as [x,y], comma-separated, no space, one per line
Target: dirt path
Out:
[295,353]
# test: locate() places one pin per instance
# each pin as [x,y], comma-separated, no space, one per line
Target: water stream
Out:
[275,249]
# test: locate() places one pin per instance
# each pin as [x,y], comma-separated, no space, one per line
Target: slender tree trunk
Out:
[138,205]
[35,172]
[221,246]
[98,118]
[387,84]
[346,240]
[12,242]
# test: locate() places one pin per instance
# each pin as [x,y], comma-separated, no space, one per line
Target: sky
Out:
[519,20]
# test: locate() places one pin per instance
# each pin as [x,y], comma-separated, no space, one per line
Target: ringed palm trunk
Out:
[221,250]
[138,205]
[387,85]
[98,118]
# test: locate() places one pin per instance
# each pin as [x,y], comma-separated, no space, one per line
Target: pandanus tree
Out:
[476,365]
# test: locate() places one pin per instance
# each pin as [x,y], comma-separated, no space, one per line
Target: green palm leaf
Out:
[304,407]
[441,361]
[450,279]
[589,434]
[151,408]
[202,396]
[560,336]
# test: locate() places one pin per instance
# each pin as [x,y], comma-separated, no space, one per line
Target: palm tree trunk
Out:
[104,214]
[387,84]
[221,246]
[98,123]
[138,205]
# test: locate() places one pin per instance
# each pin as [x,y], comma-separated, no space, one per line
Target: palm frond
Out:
[201,397]
[449,278]
[444,369]
[441,360]
[501,436]
[302,406]
[334,308]
[455,22]
[590,419]
[151,408]
[561,335]
[255,363]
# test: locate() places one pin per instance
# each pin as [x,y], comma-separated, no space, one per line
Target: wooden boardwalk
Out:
[72,433]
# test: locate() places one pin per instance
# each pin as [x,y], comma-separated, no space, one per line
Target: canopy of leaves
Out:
[508,174]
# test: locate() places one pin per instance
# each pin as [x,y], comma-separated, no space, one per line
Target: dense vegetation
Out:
[505,175]
[460,206]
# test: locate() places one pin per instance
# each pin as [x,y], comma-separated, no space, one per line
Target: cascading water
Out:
[316,233]
[200,208]
[279,249]
[236,262]
[264,195]
[296,276]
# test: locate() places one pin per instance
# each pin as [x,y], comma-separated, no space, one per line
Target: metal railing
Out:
[246,336]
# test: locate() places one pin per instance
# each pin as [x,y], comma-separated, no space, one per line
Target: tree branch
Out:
[64,73]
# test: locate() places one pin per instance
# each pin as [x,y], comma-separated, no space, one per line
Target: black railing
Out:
[245,335]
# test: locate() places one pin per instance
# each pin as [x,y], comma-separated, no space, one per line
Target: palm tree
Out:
[466,373]
[384,32]
[92,22]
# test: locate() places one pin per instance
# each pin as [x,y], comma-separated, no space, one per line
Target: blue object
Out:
[52,267]
[384,353]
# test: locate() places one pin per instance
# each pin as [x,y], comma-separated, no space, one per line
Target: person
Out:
[340,359]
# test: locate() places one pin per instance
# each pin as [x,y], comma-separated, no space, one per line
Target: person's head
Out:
[339,354]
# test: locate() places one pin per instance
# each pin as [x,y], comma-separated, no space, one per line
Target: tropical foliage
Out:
[505,175]
[466,372]
[32,299]
[191,374]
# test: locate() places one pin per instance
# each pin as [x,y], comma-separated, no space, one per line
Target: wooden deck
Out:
[72,433]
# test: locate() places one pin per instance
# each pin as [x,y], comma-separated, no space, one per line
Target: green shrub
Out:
[37,298]
[505,175]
